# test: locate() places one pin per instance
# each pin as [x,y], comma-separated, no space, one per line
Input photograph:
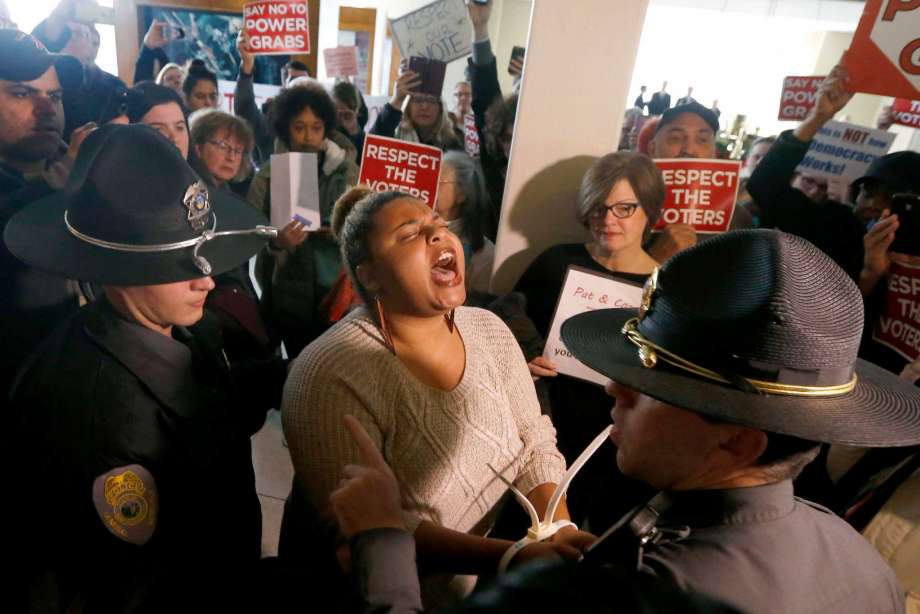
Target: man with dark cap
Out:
[724,384]
[836,228]
[130,433]
[34,162]
[687,131]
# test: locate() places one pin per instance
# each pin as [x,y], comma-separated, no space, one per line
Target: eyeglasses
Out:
[227,148]
[620,210]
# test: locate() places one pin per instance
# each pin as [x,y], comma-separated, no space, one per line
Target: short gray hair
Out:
[477,208]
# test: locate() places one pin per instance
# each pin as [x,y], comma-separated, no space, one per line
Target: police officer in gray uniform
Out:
[130,443]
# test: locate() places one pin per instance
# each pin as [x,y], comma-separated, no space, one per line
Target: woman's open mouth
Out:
[444,268]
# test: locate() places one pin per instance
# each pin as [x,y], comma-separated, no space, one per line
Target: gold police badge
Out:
[648,291]
[198,203]
[125,492]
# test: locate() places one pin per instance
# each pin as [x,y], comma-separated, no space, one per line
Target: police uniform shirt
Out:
[763,550]
[133,455]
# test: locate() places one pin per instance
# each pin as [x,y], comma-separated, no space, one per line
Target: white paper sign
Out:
[438,31]
[844,151]
[582,291]
[295,190]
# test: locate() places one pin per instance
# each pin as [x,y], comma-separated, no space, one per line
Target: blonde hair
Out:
[166,68]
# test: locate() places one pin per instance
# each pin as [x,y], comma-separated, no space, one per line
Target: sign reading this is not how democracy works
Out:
[844,151]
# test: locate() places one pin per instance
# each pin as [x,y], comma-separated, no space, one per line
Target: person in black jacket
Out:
[494,115]
[830,225]
[34,162]
[131,409]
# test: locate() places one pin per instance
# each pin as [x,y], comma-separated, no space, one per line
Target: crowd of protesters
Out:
[767,446]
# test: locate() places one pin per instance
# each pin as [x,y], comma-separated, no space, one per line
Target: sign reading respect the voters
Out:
[700,193]
[799,96]
[898,326]
[277,27]
[438,31]
[584,290]
[391,164]
[341,61]
[844,151]
[906,112]
[884,57]
[295,190]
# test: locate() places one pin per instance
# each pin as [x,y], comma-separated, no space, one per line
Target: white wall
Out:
[570,111]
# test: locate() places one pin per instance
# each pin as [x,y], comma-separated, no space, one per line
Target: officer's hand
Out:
[541,551]
[672,239]
[368,496]
[570,536]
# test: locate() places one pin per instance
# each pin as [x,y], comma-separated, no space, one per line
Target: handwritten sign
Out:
[700,193]
[341,61]
[906,112]
[262,93]
[438,31]
[582,291]
[391,164]
[884,57]
[470,135]
[898,326]
[844,151]
[277,27]
[295,190]
[799,96]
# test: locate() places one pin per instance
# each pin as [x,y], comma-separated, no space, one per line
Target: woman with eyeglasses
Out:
[222,143]
[619,201]
[424,120]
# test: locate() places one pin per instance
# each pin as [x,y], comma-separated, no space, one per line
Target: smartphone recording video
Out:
[907,238]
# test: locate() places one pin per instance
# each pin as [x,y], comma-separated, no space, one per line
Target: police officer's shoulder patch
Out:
[126,501]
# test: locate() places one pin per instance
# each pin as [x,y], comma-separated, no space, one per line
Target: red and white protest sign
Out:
[470,135]
[277,27]
[906,112]
[391,164]
[799,96]
[700,193]
[884,57]
[341,61]
[898,326]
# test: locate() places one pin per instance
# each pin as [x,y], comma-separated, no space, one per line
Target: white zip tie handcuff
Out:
[541,530]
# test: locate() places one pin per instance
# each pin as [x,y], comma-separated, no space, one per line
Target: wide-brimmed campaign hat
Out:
[135,213]
[759,328]
[24,58]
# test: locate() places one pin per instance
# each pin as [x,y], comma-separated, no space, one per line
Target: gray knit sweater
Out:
[438,443]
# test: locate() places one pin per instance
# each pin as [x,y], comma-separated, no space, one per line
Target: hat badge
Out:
[648,291]
[198,203]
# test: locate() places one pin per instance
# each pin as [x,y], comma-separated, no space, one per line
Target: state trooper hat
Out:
[759,328]
[135,213]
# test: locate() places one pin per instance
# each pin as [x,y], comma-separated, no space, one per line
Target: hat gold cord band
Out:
[650,354]
[267,232]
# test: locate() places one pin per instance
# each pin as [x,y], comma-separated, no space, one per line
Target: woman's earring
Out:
[382,324]
[450,319]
